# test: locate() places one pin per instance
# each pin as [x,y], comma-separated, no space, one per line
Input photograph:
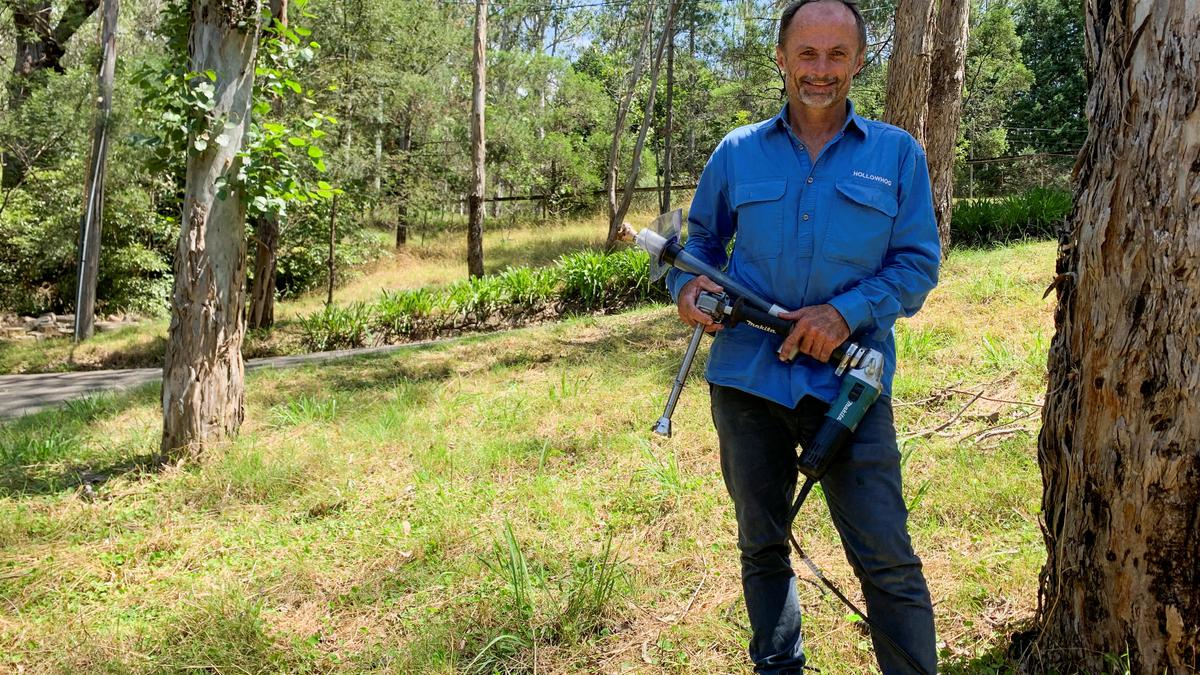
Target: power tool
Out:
[861,369]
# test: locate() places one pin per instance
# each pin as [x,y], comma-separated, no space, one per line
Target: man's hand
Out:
[688,312]
[818,331]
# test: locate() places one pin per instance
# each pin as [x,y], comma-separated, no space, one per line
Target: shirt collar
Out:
[852,118]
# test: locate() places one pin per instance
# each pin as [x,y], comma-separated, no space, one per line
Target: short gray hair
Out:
[789,12]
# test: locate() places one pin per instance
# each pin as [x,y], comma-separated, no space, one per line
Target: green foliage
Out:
[1036,214]
[586,281]
[336,327]
[1051,33]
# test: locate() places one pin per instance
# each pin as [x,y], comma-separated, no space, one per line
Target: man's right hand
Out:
[688,312]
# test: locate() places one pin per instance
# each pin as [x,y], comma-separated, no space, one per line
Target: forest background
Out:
[371,99]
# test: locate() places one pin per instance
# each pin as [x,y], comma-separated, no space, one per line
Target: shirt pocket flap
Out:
[867,195]
[759,191]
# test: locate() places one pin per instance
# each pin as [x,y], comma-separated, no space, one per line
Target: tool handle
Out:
[745,312]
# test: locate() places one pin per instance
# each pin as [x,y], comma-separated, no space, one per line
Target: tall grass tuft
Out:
[589,591]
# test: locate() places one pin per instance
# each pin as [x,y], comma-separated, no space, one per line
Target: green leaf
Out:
[200,144]
[211,74]
[293,85]
[319,165]
[324,185]
[304,32]
[297,141]
[315,152]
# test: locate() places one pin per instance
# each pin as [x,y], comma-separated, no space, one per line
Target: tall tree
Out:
[1051,113]
[93,187]
[908,68]
[40,46]
[1120,444]
[203,378]
[617,210]
[945,108]
[478,154]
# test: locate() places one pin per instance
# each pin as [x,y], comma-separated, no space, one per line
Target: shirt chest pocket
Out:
[759,209]
[860,227]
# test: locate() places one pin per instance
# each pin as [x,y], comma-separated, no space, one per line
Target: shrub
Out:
[407,313]
[336,327]
[1035,214]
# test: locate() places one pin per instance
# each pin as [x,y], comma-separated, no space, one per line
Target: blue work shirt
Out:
[855,229]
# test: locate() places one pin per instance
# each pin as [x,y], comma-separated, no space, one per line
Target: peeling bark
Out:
[202,391]
[908,68]
[1120,444]
[945,108]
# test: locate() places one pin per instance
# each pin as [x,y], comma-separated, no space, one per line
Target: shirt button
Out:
[809,179]
[805,217]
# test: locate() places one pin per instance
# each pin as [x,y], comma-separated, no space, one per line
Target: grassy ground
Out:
[497,504]
[435,261]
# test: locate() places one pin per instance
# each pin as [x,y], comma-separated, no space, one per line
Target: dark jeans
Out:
[758,460]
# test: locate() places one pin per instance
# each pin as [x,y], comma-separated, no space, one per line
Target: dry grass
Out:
[353,526]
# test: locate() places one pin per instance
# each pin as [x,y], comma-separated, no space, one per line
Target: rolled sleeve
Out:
[910,266]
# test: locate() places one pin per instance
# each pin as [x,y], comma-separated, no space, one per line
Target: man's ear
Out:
[862,63]
[779,59]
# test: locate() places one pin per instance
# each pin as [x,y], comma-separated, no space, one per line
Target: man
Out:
[832,215]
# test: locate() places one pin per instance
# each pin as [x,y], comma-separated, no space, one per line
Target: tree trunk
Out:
[1120,443]
[202,388]
[945,108]
[908,68]
[478,101]
[614,223]
[665,206]
[266,256]
[331,257]
[38,47]
[614,148]
[266,237]
[93,186]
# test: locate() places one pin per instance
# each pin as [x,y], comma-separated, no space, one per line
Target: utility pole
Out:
[93,189]
[478,144]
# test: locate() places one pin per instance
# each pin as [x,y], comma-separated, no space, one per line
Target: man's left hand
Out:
[818,331]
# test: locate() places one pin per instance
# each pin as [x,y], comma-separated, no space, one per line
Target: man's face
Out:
[821,55]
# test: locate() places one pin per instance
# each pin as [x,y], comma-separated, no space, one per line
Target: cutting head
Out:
[668,226]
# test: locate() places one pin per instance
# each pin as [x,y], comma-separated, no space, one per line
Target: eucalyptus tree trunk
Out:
[478,144]
[945,108]
[39,45]
[614,148]
[908,68]
[93,186]
[1120,443]
[266,238]
[668,151]
[618,215]
[203,379]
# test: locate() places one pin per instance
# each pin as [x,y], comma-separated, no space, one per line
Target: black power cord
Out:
[808,562]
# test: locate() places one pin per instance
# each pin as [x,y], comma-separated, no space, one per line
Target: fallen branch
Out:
[943,425]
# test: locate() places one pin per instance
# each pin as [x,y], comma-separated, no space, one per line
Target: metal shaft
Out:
[663,426]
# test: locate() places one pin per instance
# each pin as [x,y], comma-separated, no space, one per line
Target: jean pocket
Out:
[759,209]
[860,228]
